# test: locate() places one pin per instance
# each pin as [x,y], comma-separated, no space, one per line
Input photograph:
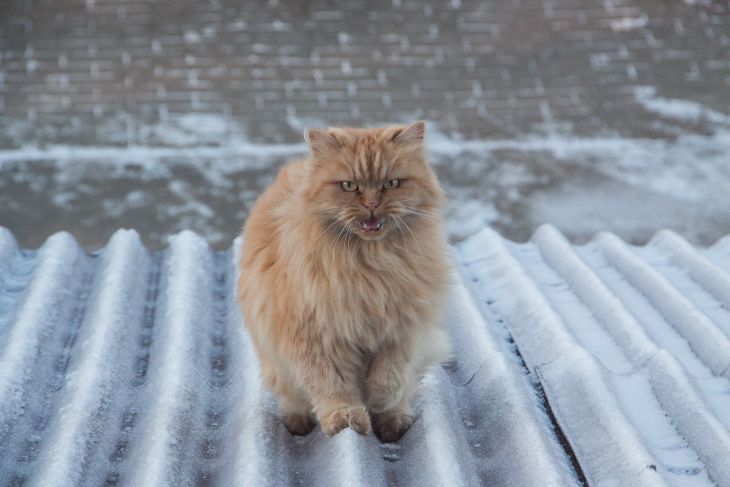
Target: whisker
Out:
[400,230]
[428,216]
[405,224]
[349,234]
[418,244]
[338,218]
[337,241]
[420,210]
[326,229]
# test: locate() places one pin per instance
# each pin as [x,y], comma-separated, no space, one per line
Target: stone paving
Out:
[105,73]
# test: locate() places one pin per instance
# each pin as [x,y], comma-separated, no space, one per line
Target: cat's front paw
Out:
[381,394]
[354,417]
[390,427]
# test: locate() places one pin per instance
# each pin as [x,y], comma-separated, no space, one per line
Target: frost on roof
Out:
[600,364]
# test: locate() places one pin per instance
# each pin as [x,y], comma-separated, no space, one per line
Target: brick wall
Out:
[480,69]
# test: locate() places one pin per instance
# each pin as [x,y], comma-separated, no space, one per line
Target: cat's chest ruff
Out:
[372,304]
[370,287]
[373,294]
[367,287]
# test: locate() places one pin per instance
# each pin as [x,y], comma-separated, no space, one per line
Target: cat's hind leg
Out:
[389,388]
[386,380]
[393,378]
[389,426]
[294,407]
[296,415]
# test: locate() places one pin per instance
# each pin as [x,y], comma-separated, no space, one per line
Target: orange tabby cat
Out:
[344,271]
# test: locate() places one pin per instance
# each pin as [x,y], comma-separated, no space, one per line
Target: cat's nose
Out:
[370,205]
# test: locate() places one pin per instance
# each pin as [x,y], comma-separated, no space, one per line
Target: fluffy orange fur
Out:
[344,271]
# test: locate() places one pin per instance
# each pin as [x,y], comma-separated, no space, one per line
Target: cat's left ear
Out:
[412,134]
[322,141]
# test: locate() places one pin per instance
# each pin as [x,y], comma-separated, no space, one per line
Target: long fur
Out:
[346,321]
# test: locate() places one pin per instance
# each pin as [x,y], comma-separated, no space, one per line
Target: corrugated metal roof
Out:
[603,364]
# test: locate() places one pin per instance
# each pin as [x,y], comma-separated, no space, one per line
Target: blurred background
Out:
[169,115]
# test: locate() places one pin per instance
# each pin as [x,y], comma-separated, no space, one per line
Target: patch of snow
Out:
[279,26]
[186,304]
[655,370]
[8,246]
[466,217]
[90,382]
[191,37]
[344,38]
[680,183]
[710,345]
[505,396]
[58,259]
[703,271]
[686,110]
[147,156]
[440,435]
[629,23]
[636,403]
[249,425]
[578,389]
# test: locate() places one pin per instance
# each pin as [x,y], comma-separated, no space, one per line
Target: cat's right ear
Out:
[321,141]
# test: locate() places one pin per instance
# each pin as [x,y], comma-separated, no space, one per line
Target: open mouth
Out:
[372,224]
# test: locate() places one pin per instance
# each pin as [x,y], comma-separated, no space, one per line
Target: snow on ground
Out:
[601,363]
[178,175]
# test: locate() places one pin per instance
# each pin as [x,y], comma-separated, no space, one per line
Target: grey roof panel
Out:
[603,364]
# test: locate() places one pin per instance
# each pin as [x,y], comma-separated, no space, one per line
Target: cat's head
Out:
[371,182]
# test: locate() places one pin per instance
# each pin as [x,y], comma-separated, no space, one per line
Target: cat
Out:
[344,271]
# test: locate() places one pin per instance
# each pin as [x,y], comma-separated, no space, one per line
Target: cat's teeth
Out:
[372,224]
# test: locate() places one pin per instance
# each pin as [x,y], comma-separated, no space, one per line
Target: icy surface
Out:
[202,172]
[602,364]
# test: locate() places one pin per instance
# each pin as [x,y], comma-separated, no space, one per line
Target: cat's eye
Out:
[392,184]
[348,186]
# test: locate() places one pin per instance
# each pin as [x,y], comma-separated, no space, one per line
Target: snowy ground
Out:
[592,115]
[600,364]
[187,179]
